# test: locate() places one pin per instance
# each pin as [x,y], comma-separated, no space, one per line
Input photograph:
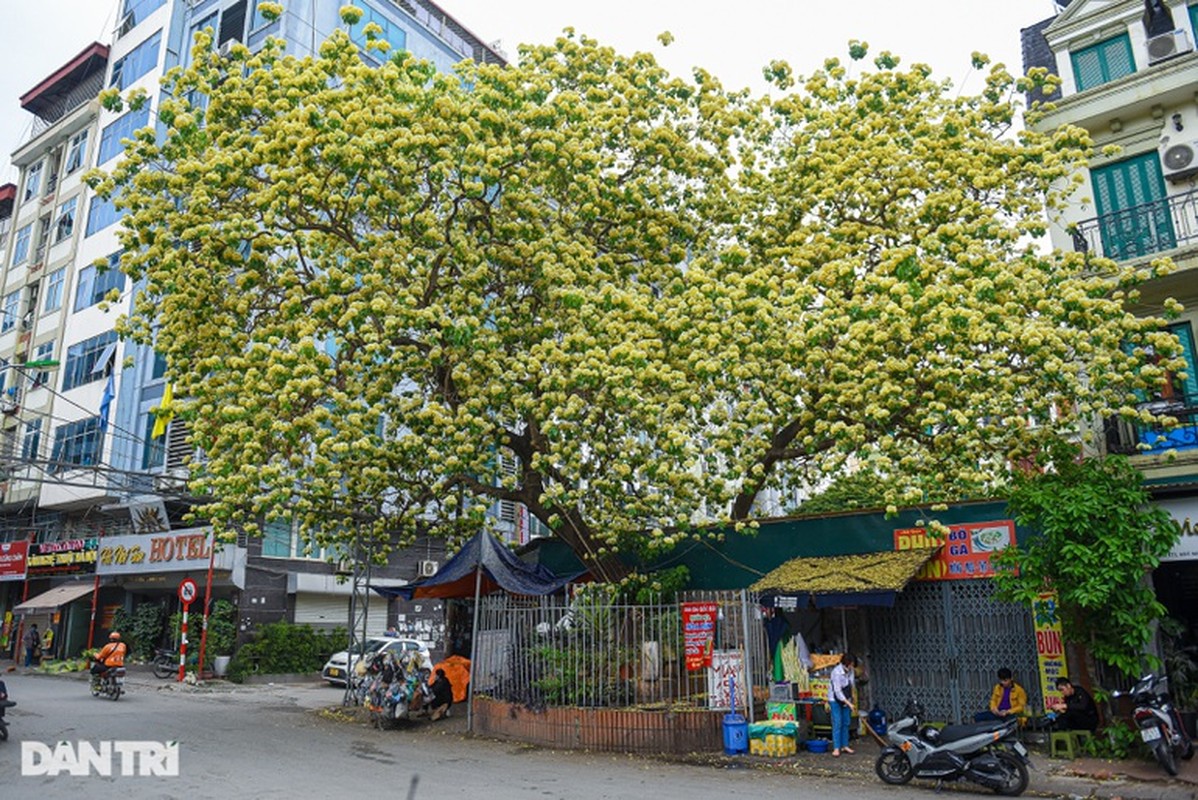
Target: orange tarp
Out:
[457,669]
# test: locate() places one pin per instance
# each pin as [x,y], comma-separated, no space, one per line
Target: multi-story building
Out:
[84,480]
[1129,76]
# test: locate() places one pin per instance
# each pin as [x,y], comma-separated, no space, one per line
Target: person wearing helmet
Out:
[110,655]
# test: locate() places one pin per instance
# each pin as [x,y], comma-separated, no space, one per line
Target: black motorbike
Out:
[1159,723]
[109,682]
[5,704]
[985,753]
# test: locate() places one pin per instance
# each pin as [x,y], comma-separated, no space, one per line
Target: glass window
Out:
[153,454]
[76,443]
[64,222]
[392,33]
[276,539]
[136,11]
[12,305]
[31,443]
[135,63]
[95,285]
[76,153]
[33,181]
[82,358]
[100,214]
[44,352]
[1102,63]
[20,248]
[159,368]
[55,282]
[121,128]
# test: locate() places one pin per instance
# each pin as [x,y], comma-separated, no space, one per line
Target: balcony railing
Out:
[1140,231]
[1129,438]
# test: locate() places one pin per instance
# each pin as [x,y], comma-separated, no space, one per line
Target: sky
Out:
[732,40]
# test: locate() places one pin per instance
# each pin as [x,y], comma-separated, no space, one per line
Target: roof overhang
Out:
[55,598]
[865,579]
[43,96]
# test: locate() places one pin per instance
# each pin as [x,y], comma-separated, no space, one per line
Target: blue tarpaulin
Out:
[501,570]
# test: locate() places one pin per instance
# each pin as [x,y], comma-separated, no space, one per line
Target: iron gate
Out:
[949,638]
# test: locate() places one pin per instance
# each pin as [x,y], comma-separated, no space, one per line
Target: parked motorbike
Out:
[166,663]
[110,683]
[1159,723]
[398,688]
[985,753]
[5,704]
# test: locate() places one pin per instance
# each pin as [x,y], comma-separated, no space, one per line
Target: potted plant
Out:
[222,634]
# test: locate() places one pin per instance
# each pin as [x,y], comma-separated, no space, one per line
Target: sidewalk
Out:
[1079,778]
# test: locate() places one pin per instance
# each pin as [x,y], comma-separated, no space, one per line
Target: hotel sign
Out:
[177,551]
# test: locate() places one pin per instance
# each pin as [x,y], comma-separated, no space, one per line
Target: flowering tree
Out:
[628,301]
[883,305]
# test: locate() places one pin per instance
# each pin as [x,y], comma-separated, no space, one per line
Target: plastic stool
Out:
[1079,740]
[1064,744]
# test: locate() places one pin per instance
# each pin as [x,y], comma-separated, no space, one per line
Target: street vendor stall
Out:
[804,641]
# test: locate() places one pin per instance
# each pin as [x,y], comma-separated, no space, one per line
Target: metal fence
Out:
[594,652]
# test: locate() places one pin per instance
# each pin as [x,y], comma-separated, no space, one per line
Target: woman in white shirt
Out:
[840,702]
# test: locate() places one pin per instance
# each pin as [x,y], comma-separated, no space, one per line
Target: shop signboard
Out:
[1185,514]
[178,551]
[66,557]
[1050,646]
[12,560]
[964,551]
[698,633]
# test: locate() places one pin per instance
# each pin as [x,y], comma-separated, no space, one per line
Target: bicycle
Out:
[165,663]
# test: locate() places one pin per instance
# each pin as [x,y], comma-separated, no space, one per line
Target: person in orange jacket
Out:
[111,655]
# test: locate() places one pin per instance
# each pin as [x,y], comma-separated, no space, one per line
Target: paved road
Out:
[293,743]
[271,743]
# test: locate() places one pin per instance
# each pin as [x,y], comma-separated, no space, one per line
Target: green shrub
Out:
[1117,740]
[142,630]
[282,647]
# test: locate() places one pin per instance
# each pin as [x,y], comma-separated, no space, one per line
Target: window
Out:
[100,214]
[76,443]
[11,310]
[82,359]
[44,352]
[33,181]
[64,223]
[20,248]
[31,443]
[392,33]
[159,369]
[76,153]
[135,63]
[276,539]
[55,282]
[1133,210]
[94,285]
[136,11]
[1103,62]
[122,127]
[153,454]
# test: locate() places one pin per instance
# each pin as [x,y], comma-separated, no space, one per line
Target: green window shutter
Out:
[1104,62]
[1185,334]
[1133,211]
[1194,23]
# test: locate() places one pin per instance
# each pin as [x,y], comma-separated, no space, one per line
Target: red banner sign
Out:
[698,632]
[965,550]
[12,560]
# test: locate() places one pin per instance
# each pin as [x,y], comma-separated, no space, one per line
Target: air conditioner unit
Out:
[1167,45]
[344,567]
[1178,145]
[226,48]
[428,569]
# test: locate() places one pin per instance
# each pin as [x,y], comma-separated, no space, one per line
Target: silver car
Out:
[340,665]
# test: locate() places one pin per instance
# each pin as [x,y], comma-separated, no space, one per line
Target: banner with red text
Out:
[965,551]
[1050,646]
[698,633]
